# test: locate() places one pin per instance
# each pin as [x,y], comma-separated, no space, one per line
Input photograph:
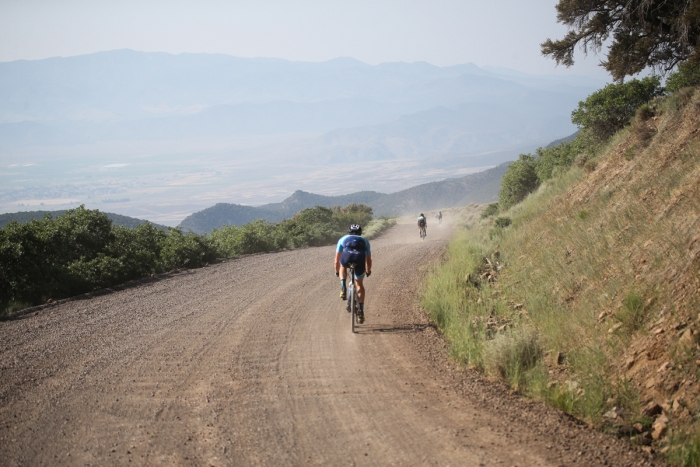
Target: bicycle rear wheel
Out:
[353,306]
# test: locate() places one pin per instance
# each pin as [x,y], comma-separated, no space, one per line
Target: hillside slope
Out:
[591,298]
[479,187]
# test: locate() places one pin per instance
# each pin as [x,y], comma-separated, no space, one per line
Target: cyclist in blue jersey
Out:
[354,248]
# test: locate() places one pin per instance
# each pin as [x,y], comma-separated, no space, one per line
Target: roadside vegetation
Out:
[82,250]
[581,287]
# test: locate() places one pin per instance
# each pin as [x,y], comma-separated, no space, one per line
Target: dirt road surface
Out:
[252,362]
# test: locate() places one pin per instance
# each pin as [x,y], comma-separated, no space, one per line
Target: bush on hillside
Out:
[310,227]
[608,110]
[35,256]
[519,180]
[489,210]
[502,222]
[555,159]
[688,74]
[185,250]
[352,214]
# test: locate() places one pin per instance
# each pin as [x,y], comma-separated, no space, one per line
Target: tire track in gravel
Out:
[252,362]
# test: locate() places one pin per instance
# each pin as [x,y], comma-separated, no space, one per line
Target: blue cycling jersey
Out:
[353,243]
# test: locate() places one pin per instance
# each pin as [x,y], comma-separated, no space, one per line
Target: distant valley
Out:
[160,136]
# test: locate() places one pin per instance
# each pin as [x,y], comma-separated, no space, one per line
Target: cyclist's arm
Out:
[368,263]
[337,261]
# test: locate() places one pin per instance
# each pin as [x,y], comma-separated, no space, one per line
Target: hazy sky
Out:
[504,33]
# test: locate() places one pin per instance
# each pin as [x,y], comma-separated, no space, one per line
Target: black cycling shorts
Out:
[354,258]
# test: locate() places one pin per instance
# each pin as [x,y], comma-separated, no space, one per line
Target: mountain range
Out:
[481,187]
[174,134]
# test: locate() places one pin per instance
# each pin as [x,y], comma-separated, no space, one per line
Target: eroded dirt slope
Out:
[251,362]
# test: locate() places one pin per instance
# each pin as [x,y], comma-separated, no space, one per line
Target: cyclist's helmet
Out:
[421,215]
[355,229]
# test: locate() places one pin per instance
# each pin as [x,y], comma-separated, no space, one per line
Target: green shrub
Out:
[489,210]
[34,257]
[310,227]
[502,222]
[81,251]
[688,74]
[99,272]
[608,110]
[553,159]
[519,180]
[645,112]
[633,312]
[185,250]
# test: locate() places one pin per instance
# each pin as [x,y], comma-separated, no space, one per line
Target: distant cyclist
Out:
[422,224]
[439,217]
[354,248]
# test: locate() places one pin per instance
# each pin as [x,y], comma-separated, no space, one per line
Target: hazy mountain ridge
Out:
[302,200]
[223,214]
[480,187]
[128,95]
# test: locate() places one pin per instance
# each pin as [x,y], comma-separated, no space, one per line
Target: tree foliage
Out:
[490,210]
[310,227]
[556,158]
[530,170]
[688,74]
[608,110]
[519,180]
[645,33]
[82,250]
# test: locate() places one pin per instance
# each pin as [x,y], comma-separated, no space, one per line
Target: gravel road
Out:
[252,362]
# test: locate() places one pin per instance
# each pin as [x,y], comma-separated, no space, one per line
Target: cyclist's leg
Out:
[360,289]
[359,281]
[343,281]
[361,299]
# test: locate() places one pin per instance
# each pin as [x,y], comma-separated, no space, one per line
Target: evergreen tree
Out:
[645,33]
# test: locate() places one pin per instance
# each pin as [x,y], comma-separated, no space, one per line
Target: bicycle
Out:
[353,300]
[423,233]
